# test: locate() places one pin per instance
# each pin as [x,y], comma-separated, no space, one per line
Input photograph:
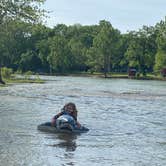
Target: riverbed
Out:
[126,118]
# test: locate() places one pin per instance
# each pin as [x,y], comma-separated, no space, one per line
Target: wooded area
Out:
[28,45]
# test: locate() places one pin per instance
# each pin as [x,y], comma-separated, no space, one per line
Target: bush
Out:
[37,78]
[138,74]
[18,72]
[29,73]
[7,72]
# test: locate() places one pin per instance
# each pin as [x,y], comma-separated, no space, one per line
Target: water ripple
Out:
[126,119]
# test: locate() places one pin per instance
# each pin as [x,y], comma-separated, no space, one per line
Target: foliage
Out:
[7,72]
[28,73]
[22,10]
[102,48]
[15,11]
[160,58]
[141,50]
[160,61]
[97,48]
[29,61]
[59,57]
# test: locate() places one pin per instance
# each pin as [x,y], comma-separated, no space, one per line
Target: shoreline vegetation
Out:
[115,75]
[29,46]
[23,79]
[27,78]
[90,50]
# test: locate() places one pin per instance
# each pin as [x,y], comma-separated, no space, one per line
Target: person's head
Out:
[70,107]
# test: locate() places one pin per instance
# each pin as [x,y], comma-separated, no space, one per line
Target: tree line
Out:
[26,46]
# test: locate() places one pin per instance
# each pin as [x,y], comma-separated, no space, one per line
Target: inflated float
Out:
[64,124]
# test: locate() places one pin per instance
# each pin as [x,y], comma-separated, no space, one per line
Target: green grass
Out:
[27,79]
[24,79]
[149,76]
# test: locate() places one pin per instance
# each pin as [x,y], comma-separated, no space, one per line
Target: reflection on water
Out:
[127,122]
[66,141]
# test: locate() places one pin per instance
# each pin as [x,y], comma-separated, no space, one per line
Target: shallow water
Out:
[126,118]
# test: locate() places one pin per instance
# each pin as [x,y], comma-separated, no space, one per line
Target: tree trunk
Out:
[50,68]
[108,65]
[105,74]
[105,66]
[1,80]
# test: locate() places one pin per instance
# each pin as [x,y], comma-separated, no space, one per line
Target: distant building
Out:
[163,72]
[132,72]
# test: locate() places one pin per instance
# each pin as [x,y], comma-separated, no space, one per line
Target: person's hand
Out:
[53,122]
[79,125]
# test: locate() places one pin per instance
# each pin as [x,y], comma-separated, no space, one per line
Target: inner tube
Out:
[47,127]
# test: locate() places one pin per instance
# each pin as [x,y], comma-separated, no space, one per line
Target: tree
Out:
[29,62]
[103,46]
[94,61]
[141,51]
[77,54]
[160,59]
[19,10]
[133,54]
[59,57]
[39,43]
[43,49]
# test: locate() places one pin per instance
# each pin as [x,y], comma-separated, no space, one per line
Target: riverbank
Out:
[36,78]
[115,75]
[22,79]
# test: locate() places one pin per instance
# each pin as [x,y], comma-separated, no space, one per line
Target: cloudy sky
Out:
[123,14]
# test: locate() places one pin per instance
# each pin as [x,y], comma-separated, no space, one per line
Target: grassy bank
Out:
[149,76]
[22,79]
[36,78]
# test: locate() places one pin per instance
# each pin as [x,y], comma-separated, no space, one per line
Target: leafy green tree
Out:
[103,46]
[43,50]
[39,43]
[147,37]
[160,60]
[29,62]
[60,29]
[59,57]
[22,10]
[18,10]
[78,51]
[15,40]
[141,51]
[94,61]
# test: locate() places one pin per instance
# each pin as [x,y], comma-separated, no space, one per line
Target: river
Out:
[126,118]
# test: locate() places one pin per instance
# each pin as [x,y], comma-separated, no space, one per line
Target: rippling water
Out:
[126,118]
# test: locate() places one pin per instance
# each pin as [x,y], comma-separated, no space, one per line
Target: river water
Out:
[126,118]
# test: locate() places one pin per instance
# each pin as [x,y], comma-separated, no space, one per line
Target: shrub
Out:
[18,72]
[7,72]
[29,73]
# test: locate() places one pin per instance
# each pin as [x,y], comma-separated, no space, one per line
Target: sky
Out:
[124,15]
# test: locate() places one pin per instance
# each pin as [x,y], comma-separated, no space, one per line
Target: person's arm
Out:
[53,121]
[75,118]
[78,124]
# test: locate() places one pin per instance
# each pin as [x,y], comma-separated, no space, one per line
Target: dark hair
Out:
[74,113]
[71,104]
